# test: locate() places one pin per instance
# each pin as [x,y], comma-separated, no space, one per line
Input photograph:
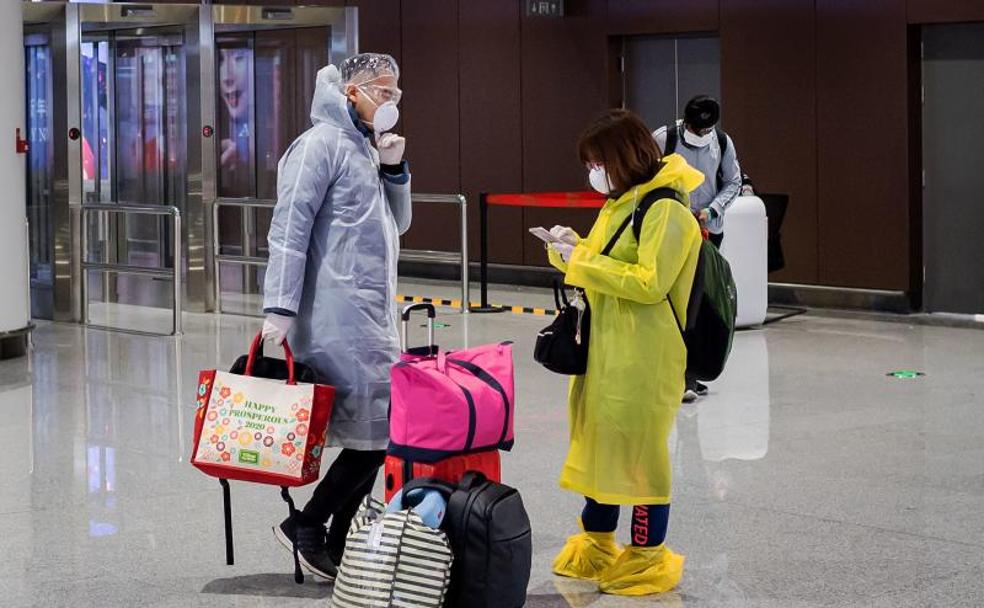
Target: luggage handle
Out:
[469,480]
[256,350]
[431,315]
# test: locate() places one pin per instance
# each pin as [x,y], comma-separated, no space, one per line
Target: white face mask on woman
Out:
[599,180]
[698,141]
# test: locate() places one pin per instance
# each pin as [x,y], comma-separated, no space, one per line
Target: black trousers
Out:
[716,240]
[339,493]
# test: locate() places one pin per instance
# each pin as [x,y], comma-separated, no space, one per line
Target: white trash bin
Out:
[746,247]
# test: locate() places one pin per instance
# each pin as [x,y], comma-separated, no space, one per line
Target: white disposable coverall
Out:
[334,244]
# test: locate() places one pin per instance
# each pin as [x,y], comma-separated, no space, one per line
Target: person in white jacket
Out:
[343,200]
[712,152]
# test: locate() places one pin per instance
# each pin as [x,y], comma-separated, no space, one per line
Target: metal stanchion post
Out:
[178,261]
[483,225]
[465,284]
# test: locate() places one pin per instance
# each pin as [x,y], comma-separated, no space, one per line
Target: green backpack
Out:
[713,303]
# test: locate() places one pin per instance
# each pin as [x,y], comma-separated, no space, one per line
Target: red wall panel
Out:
[429,75]
[379,26]
[491,119]
[945,11]
[564,86]
[768,64]
[662,16]
[862,144]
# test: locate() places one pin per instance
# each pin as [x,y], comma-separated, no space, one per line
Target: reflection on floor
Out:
[807,477]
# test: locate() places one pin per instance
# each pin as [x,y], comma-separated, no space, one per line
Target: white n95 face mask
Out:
[386,115]
[698,141]
[599,180]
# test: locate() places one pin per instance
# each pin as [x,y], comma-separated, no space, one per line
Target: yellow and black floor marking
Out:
[519,310]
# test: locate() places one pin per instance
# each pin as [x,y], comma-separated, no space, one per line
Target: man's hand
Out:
[391,147]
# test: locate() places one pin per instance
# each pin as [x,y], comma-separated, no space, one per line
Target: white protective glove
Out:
[391,147]
[565,233]
[275,328]
[564,249]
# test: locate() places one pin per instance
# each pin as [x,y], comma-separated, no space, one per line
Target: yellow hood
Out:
[676,174]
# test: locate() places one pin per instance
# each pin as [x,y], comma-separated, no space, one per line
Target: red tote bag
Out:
[260,430]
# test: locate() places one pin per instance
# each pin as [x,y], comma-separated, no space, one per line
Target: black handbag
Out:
[562,346]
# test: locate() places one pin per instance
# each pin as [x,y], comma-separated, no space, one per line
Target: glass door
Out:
[134,148]
[40,175]
[270,74]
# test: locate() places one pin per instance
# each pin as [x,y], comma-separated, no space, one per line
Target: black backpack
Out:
[673,137]
[490,536]
[713,303]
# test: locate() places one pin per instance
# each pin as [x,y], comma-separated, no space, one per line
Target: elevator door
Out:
[133,152]
[953,197]
[660,74]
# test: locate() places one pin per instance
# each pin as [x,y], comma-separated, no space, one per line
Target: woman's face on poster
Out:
[234,81]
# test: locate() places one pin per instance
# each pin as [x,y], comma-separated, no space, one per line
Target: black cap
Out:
[702,112]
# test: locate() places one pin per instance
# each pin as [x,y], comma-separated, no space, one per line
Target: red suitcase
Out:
[451,470]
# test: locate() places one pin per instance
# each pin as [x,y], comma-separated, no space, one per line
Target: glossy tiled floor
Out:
[807,477]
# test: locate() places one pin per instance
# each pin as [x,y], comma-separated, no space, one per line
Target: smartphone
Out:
[544,235]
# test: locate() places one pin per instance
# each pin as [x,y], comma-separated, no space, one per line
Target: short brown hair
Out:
[620,141]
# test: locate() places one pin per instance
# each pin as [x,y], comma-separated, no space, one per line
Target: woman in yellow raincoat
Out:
[623,408]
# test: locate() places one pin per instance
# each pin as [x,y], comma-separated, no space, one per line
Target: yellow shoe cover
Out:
[643,571]
[587,555]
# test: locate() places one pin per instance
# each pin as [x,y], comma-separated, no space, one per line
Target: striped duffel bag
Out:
[392,560]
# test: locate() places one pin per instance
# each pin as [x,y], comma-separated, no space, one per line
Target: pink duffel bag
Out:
[450,403]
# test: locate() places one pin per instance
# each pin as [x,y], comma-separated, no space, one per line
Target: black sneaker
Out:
[700,389]
[312,547]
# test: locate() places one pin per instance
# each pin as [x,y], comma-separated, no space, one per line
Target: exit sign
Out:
[544,8]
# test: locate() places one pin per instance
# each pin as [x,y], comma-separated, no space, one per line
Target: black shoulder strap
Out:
[672,135]
[647,201]
[723,145]
[639,215]
[636,217]
[618,233]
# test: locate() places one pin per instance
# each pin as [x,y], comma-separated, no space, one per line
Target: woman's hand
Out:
[565,234]
[564,249]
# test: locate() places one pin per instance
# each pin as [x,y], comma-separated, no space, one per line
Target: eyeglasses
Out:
[382,94]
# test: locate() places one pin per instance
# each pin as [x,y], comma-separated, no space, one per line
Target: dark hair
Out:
[702,112]
[623,144]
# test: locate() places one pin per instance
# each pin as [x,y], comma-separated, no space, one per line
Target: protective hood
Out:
[330,105]
[676,174]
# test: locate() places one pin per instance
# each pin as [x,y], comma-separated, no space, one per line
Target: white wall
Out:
[14,282]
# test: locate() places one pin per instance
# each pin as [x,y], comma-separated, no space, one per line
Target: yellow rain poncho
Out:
[622,410]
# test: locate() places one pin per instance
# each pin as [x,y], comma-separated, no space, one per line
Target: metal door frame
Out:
[61,20]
